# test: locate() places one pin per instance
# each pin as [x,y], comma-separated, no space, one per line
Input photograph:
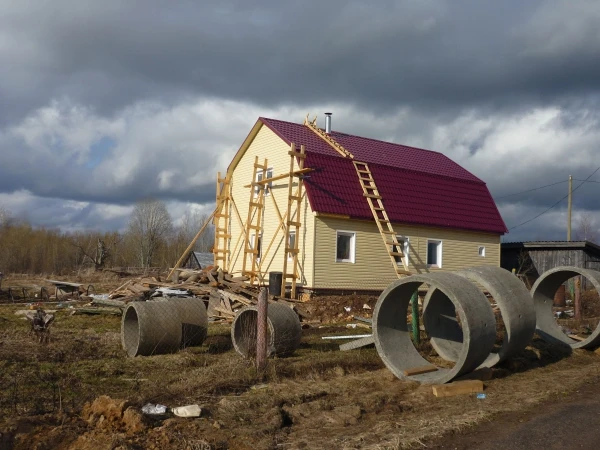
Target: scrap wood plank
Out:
[420,370]
[357,343]
[226,304]
[64,283]
[577,338]
[123,286]
[213,302]
[94,311]
[235,297]
[457,388]
[224,311]
[138,288]
[238,279]
[236,287]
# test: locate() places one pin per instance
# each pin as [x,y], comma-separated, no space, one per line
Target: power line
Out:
[530,190]
[587,181]
[544,212]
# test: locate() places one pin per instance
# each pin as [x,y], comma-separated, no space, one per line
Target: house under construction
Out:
[335,211]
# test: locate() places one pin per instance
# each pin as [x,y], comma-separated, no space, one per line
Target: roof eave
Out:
[240,153]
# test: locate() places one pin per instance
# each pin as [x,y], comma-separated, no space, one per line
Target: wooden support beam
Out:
[280,177]
[420,370]
[191,246]
[458,388]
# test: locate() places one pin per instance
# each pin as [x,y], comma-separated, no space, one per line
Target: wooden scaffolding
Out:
[221,222]
[294,217]
[254,223]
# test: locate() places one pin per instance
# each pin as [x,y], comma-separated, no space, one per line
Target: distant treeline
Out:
[151,240]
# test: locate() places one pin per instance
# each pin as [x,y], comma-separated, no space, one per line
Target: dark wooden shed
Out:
[531,259]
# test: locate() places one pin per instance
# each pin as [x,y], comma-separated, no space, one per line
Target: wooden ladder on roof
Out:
[254,224]
[221,222]
[293,215]
[393,247]
[371,193]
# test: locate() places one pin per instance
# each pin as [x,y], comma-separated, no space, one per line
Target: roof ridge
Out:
[361,137]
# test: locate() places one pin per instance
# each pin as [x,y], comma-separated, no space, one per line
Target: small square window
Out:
[345,246]
[434,253]
[260,175]
[258,246]
[291,244]
[482,252]
[403,241]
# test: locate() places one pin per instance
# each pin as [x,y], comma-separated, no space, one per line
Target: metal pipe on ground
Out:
[283,330]
[513,300]
[393,336]
[543,292]
[163,326]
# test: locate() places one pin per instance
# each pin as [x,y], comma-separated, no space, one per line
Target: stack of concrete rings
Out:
[393,337]
[513,300]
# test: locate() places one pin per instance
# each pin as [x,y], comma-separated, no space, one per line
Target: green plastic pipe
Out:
[414,301]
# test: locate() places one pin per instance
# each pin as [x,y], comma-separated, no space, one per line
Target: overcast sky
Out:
[105,103]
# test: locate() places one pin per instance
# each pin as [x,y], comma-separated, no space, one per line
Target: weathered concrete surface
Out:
[163,326]
[543,296]
[393,336]
[284,330]
[516,308]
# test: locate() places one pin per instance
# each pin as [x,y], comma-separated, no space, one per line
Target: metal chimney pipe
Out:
[328,123]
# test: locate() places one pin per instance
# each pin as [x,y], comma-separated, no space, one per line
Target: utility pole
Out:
[569,208]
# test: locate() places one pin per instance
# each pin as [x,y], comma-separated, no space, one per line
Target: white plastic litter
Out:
[154,410]
[167,292]
[187,411]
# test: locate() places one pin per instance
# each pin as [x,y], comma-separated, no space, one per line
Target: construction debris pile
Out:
[222,293]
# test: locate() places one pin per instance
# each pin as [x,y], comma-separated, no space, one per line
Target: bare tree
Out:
[149,226]
[96,249]
[4,216]
[586,228]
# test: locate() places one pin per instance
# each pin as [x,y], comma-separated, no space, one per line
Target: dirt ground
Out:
[81,391]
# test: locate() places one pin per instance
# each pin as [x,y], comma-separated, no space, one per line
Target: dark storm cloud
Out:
[426,54]
[510,90]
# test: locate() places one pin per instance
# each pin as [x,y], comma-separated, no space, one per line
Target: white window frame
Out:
[439,253]
[481,251]
[405,249]
[253,240]
[352,235]
[260,177]
[290,256]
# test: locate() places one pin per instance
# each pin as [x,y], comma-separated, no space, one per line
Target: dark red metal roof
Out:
[418,186]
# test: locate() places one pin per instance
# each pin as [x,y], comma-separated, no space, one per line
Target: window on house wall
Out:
[403,241]
[345,246]
[482,252]
[256,245]
[260,175]
[434,253]
[291,243]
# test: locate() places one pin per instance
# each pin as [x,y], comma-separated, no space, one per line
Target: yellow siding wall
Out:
[267,144]
[373,269]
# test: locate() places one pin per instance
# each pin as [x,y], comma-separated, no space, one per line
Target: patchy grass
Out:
[317,398]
